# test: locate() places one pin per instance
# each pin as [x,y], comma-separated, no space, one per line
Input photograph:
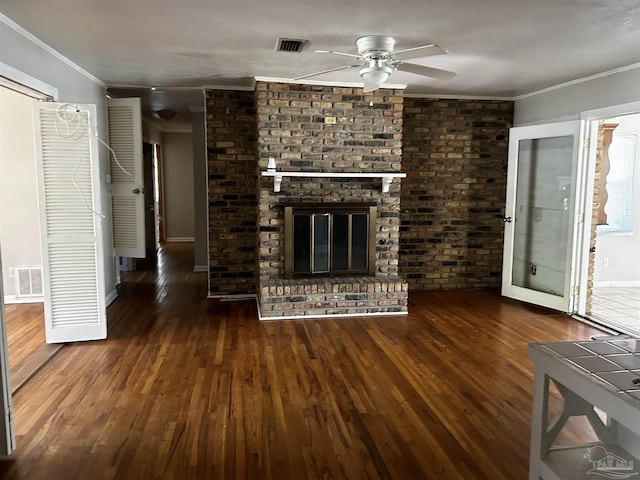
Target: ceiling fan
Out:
[378,61]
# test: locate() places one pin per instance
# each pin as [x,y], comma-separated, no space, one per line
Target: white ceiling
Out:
[499,48]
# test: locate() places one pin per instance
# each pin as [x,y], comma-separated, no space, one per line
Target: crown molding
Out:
[456,97]
[242,88]
[155,87]
[395,86]
[577,81]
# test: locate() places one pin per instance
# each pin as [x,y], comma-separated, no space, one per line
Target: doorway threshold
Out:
[38,360]
[597,324]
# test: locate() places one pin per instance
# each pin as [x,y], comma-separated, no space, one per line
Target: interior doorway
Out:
[153,208]
[151,240]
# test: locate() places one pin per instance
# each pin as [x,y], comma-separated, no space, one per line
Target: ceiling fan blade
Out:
[326,71]
[425,71]
[418,52]
[339,53]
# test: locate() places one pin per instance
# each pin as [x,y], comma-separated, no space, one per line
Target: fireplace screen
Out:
[326,239]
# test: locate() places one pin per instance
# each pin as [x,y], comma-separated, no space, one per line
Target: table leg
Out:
[538,422]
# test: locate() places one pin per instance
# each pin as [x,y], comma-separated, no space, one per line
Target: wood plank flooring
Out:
[28,351]
[25,332]
[190,388]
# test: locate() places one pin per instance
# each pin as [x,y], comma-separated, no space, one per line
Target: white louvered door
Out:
[127,183]
[70,222]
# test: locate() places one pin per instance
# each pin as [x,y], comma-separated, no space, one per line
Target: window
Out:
[619,184]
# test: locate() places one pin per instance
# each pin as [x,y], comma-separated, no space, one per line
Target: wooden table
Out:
[601,373]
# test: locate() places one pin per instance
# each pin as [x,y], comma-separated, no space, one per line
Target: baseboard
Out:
[180,239]
[110,297]
[9,299]
[616,284]
[201,268]
[241,296]
[13,299]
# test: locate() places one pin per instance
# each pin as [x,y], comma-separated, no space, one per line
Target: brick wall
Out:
[232,171]
[448,233]
[455,157]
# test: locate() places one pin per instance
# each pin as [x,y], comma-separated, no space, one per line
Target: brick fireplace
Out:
[330,130]
[454,154]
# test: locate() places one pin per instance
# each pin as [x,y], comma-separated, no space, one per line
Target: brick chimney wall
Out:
[449,227]
[233,185]
[367,137]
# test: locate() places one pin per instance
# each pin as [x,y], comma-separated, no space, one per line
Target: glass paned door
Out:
[539,214]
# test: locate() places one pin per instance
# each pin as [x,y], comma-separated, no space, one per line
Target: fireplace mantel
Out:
[387,177]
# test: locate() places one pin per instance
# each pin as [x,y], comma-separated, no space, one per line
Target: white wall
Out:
[622,251]
[20,52]
[19,223]
[567,102]
[177,163]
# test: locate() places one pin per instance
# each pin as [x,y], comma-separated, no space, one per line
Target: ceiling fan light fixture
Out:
[376,74]
[165,114]
[379,61]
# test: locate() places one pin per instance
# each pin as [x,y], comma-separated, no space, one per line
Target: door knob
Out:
[507,219]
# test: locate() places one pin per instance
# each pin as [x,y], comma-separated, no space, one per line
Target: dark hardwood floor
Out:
[190,388]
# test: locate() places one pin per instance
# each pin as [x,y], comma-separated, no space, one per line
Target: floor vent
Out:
[289,45]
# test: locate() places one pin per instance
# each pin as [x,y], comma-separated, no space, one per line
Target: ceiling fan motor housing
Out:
[375,46]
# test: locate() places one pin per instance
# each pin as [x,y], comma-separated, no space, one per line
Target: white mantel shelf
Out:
[387,177]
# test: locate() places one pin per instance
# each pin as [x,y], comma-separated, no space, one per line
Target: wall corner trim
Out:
[110,297]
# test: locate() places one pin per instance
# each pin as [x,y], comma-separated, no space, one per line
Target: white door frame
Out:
[7,434]
[27,85]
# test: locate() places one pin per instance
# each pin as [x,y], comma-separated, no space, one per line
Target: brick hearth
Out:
[288,298]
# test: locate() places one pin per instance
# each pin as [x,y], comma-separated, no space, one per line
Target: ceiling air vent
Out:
[289,45]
